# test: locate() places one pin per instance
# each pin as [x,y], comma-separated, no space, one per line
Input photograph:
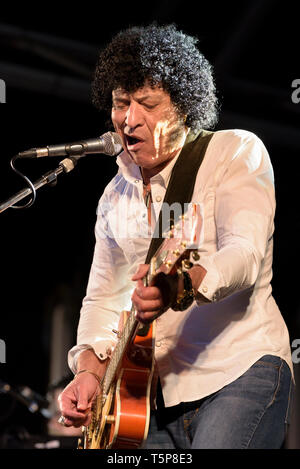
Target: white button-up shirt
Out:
[209,345]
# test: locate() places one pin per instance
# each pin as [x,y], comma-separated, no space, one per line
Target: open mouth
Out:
[132,141]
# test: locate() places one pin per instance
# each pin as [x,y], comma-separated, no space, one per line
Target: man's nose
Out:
[134,116]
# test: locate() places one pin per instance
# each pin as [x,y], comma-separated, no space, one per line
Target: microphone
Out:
[109,143]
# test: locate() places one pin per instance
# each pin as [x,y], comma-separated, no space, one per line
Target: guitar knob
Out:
[186,264]
[110,419]
[195,256]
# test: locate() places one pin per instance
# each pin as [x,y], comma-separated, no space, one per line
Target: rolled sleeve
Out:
[102,349]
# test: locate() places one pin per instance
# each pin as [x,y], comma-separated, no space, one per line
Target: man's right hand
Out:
[75,401]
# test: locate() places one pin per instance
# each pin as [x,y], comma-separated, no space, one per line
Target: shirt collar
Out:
[163,177]
[131,172]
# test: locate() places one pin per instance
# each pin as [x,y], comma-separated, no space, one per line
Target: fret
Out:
[128,331]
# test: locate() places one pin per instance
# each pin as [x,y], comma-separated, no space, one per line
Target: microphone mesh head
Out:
[112,143]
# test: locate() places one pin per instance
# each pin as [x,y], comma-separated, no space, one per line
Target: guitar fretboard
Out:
[118,353]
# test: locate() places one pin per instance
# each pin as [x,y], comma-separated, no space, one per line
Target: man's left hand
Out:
[148,301]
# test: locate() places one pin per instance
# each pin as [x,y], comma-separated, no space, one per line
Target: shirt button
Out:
[144,214]
[158,198]
[158,344]
[136,181]
[204,289]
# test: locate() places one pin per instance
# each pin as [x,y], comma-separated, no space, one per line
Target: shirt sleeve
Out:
[244,218]
[108,288]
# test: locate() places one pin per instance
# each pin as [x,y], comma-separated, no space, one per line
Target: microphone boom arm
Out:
[50,178]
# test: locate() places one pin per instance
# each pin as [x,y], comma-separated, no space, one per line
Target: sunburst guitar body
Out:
[120,419]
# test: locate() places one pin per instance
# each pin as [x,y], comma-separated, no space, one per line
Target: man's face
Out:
[151,130]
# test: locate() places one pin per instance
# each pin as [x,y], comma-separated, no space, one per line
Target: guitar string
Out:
[130,323]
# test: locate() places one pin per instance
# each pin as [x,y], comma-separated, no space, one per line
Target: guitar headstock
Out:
[182,239]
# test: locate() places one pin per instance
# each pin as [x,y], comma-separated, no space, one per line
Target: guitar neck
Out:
[183,238]
[128,332]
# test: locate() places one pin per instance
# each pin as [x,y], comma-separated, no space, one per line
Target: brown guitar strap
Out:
[181,186]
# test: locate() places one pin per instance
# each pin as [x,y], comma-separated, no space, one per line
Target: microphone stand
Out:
[49,178]
[33,401]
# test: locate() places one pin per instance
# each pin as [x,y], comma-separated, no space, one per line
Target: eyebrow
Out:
[122,100]
[125,99]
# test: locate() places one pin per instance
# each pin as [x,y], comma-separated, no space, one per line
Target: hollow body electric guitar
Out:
[121,414]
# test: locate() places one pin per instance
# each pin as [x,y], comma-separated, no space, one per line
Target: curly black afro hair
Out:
[158,55]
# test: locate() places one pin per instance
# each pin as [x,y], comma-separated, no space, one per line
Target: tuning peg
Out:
[195,256]
[186,264]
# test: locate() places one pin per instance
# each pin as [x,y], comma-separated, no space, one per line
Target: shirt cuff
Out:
[102,349]
[211,283]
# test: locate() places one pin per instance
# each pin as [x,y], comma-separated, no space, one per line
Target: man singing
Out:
[222,357]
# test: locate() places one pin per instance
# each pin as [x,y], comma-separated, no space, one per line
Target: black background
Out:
[46,250]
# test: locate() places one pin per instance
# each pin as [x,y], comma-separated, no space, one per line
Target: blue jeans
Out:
[251,412]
